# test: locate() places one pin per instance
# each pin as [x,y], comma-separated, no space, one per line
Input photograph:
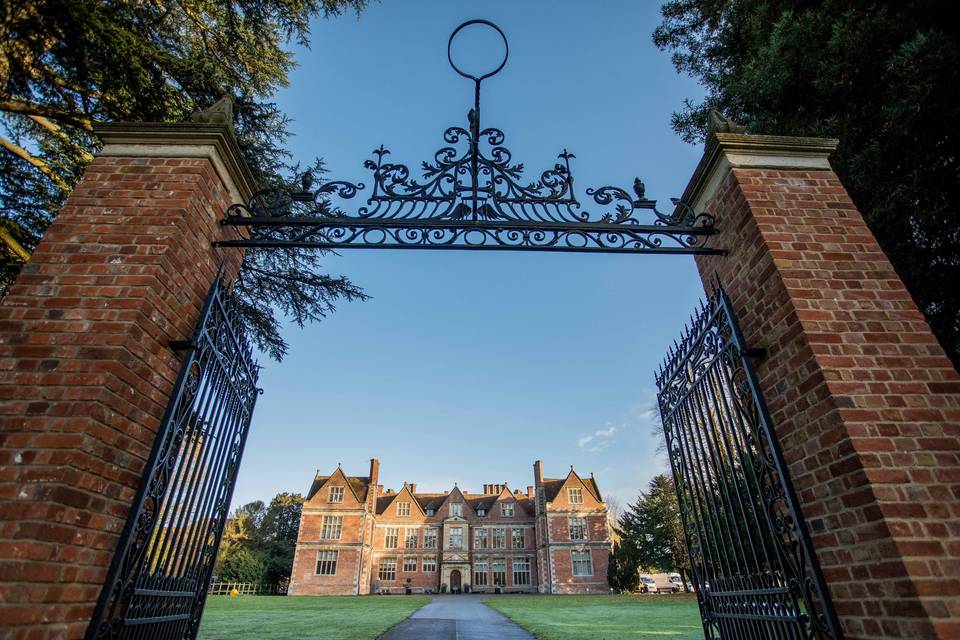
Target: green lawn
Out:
[603,617]
[304,617]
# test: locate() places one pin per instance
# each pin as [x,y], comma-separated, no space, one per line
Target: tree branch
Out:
[36,109]
[57,131]
[25,155]
[13,245]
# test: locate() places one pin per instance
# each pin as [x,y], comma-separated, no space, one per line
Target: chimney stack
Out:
[374,471]
[530,492]
[413,487]
[538,472]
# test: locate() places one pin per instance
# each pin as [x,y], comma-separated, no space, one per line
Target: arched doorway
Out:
[455,580]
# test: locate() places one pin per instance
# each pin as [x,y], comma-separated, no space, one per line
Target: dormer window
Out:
[456,510]
[403,509]
[575,496]
[335,495]
[506,509]
[481,512]
[430,512]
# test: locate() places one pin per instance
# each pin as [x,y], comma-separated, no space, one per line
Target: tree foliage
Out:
[66,64]
[877,75]
[623,573]
[259,541]
[651,535]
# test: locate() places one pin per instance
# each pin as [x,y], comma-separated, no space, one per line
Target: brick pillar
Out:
[865,402]
[85,368]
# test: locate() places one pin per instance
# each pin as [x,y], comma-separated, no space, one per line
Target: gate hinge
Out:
[181,345]
[755,352]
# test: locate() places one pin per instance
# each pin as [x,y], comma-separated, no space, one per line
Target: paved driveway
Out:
[459,617]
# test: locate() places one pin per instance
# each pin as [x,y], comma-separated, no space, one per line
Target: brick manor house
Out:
[357,538]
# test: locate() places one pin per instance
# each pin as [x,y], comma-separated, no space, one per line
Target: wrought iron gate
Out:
[752,561]
[162,567]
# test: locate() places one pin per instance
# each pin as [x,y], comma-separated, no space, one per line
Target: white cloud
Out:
[598,440]
[606,433]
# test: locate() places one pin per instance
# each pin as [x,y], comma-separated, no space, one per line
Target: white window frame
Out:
[335,494]
[506,509]
[586,558]
[578,524]
[518,533]
[498,538]
[387,569]
[430,538]
[391,537]
[521,568]
[480,575]
[481,539]
[331,525]
[499,570]
[407,562]
[429,565]
[575,495]
[327,562]
[410,538]
[456,510]
[459,536]
[403,509]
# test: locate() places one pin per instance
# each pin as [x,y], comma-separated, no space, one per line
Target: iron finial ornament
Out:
[471,195]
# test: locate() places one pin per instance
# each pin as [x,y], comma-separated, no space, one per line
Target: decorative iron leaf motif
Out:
[470,195]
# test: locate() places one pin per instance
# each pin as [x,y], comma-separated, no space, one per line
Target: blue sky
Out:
[466,367]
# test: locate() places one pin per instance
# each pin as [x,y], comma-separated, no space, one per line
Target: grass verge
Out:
[605,617]
[304,617]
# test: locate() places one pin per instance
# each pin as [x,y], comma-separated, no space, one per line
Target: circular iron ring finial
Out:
[506,51]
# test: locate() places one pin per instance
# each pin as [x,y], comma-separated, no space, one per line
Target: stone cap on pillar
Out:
[725,151]
[213,141]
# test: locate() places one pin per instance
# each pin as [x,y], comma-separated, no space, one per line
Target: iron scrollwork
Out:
[158,579]
[752,559]
[472,195]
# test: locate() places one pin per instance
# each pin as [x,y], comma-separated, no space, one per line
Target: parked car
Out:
[677,583]
[647,585]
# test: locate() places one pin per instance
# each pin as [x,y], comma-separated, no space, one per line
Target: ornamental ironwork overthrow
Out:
[752,560]
[471,195]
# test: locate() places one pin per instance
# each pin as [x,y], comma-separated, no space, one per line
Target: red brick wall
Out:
[420,580]
[866,404]
[353,545]
[304,575]
[566,582]
[85,375]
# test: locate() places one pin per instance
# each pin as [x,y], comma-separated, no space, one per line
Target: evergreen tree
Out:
[876,75]
[651,535]
[66,64]
[623,574]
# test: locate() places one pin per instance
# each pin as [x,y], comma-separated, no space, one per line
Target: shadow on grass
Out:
[603,617]
[304,617]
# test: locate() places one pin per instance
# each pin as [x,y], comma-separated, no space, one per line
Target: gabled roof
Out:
[456,492]
[430,500]
[384,501]
[553,486]
[359,485]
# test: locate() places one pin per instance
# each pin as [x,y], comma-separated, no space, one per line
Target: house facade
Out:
[358,538]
